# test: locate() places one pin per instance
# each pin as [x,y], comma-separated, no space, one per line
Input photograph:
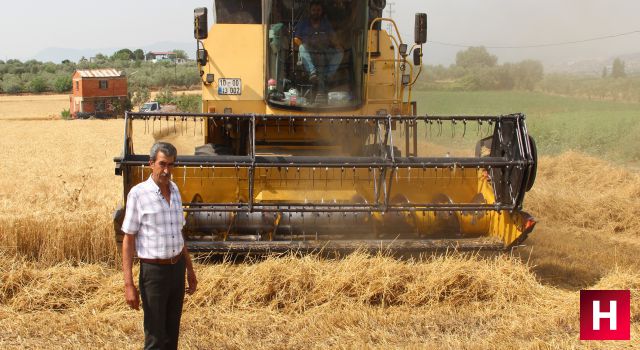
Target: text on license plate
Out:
[227,86]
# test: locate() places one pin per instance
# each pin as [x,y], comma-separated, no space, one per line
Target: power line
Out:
[563,43]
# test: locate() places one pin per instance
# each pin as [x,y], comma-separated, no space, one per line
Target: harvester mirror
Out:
[200,29]
[421,28]
[417,56]
[402,49]
[201,56]
[406,79]
[378,5]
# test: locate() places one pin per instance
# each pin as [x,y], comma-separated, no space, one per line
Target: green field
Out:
[609,130]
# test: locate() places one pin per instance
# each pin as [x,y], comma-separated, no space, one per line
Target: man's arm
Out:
[191,273]
[299,31]
[130,224]
[130,291]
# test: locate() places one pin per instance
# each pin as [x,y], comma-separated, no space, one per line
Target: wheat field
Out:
[60,286]
[45,106]
[32,107]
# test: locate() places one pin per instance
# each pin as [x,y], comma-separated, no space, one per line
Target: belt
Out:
[169,261]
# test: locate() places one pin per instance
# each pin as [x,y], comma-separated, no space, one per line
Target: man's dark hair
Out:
[165,147]
[316,3]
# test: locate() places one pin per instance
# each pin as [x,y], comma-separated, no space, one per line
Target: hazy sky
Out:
[26,27]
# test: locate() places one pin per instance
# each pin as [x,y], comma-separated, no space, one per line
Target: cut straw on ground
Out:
[61,287]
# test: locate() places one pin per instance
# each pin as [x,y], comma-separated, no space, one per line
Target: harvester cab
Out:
[309,139]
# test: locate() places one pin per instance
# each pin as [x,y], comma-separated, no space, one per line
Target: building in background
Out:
[101,93]
[157,56]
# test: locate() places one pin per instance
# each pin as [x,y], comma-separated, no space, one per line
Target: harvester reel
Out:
[483,147]
[534,167]
[377,150]
[270,198]
[213,150]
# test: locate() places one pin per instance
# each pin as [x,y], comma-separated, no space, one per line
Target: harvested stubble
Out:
[588,220]
[587,193]
[360,301]
[60,286]
[58,192]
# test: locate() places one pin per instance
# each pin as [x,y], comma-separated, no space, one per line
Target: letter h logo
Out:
[605,315]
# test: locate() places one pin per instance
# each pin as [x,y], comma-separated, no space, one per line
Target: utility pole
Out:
[391,12]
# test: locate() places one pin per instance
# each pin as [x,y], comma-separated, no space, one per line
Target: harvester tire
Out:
[534,168]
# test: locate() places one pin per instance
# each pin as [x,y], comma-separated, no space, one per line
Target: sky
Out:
[28,27]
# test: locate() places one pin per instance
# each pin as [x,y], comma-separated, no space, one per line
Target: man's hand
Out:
[132,296]
[192,281]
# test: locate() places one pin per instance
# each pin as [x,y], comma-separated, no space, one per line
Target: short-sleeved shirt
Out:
[319,37]
[156,223]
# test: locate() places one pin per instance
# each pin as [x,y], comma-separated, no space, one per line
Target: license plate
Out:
[228,86]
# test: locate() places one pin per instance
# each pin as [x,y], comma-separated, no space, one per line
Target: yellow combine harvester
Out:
[310,140]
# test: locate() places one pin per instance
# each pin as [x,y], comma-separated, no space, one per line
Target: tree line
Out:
[625,89]
[614,84]
[33,76]
[476,69]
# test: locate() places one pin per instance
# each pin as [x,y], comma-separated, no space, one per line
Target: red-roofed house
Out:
[98,92]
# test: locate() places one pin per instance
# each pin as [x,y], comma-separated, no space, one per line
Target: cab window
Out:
[315,53]
[238,11]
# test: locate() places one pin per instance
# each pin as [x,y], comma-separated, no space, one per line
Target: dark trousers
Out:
[162,293]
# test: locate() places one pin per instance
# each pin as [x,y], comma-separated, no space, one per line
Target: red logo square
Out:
[605,315]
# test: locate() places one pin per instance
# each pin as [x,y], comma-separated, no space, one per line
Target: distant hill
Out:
[58,54]
[595,66]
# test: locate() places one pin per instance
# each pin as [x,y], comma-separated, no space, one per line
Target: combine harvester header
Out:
[335,159]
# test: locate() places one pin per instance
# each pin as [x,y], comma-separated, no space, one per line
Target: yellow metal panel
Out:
[283,111]
[237,107]
[230,185]
[236,51]
[314,196]
[383,72]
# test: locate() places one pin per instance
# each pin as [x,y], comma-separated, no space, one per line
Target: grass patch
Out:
[65,114]
[604,129]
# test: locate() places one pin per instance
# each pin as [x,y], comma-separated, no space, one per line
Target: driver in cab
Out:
[319,50]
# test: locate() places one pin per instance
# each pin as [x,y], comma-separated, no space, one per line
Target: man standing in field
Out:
[153,225]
